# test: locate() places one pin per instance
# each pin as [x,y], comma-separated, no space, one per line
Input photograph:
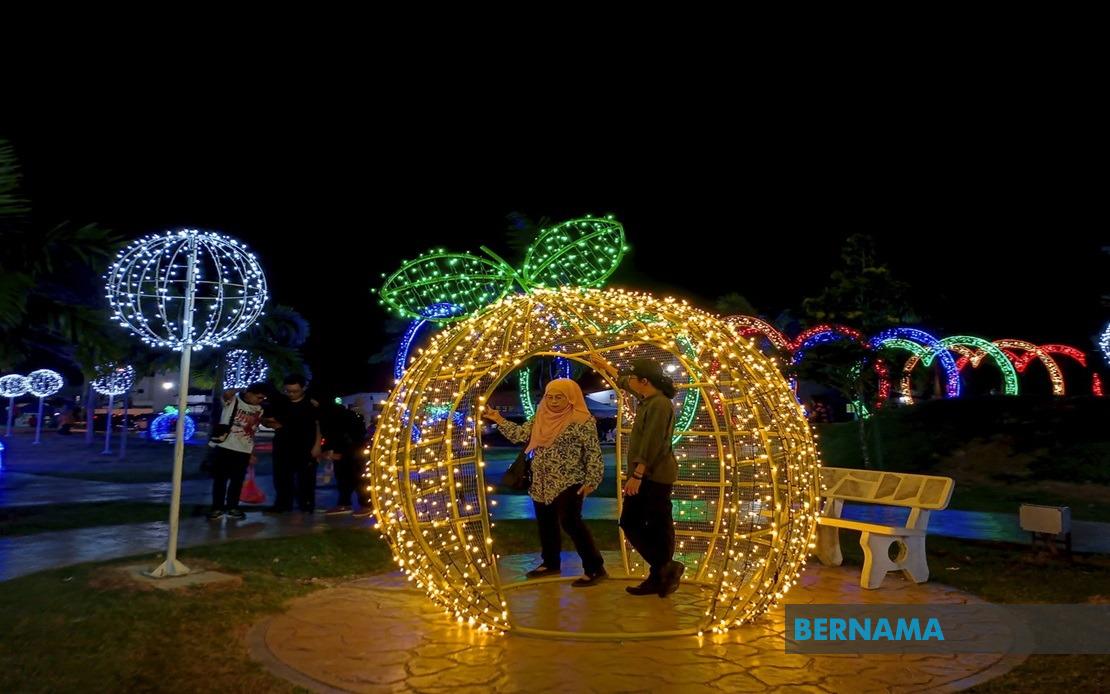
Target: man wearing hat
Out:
[652,470]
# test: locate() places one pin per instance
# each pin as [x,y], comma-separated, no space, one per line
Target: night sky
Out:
[995,242]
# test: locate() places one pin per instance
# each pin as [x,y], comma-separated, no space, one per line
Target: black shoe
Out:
[215,514]
[590,579]
[236,514]
[541,571]
[671,576]
[648,587]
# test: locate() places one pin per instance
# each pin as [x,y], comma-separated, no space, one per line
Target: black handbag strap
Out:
[231,419]
[234,411]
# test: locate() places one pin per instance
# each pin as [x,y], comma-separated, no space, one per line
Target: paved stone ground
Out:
[378,635]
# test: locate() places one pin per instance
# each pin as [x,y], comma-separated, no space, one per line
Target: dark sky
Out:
[996,242]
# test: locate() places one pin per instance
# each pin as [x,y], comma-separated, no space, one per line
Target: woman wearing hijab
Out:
[566,467]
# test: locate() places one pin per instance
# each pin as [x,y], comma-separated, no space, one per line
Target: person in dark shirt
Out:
[295,420]
[344,439]
[646,516]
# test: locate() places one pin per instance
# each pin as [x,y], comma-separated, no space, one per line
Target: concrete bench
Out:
[920,493]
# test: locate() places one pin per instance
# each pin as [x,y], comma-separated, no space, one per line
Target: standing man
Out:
[344,433]
[646,517]
[296,447]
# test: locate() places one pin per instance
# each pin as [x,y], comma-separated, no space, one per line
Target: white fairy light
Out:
[149,283]
[185,290]
[241,368]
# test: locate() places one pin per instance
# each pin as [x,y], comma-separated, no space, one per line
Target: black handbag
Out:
[519,474]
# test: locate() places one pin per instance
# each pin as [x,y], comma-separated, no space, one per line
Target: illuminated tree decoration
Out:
[42,384]
[148,289]
[747,492]
[241,369]
[164,426]
[13,386]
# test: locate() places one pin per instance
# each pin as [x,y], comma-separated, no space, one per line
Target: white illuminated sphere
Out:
[45,382]
[113,379]
[14,385]
[147,287]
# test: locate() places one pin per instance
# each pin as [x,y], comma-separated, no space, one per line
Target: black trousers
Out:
[348,478]
[647,523]
[228,470]
[294,478]
[565,511]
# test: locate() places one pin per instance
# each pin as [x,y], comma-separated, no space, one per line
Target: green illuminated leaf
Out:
[580,252]
[469,282]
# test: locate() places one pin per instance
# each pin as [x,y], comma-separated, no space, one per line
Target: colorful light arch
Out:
[750,326]
[1054,374]
[938,350]
[822,334]
[1079,356]
[961,344]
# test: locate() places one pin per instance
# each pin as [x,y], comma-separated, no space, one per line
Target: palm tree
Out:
[50,288]
[277,337]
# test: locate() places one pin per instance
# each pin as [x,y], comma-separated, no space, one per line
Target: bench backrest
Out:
[887,488]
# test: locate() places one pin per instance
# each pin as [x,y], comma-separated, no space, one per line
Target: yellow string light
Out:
[748,466]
